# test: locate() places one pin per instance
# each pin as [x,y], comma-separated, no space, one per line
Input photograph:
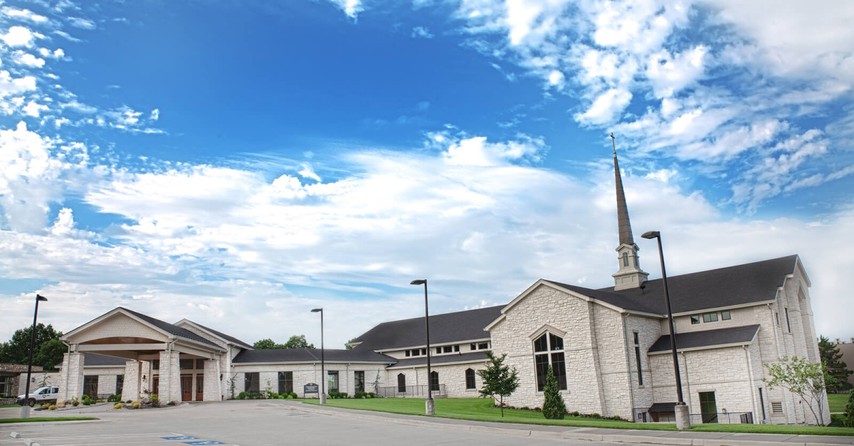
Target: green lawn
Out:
[43,419]
[837,401]
[6,406]
[479,409]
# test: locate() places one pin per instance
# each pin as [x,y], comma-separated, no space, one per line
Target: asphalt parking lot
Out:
[247,423]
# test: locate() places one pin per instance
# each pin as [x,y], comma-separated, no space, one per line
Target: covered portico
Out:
[162,359]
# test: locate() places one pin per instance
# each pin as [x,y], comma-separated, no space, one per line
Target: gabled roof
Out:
[695,340]
[172,329]
[717,288]
[723,287]
[441,359]
[219,334]
[309,355]
[444,328]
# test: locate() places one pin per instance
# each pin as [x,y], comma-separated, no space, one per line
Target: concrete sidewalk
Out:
[627,436]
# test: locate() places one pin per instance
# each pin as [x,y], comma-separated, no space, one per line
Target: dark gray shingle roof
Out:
[722,287]
[442,359]
[444,328]
[97,359]
[707,338]
[231,339]
[172,329]
[309,355]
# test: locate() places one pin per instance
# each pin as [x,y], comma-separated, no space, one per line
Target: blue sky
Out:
[239,163]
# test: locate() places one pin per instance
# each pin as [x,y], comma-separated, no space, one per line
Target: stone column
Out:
[71,378]
[213,385]
[170,377]
[683,418]
[131,386]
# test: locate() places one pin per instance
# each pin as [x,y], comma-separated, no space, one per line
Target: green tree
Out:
[498,379]
[295,341]
[48,348]
[848,416]
[266,344]
[553,407]
[803,378]
[836,368]
[298,342]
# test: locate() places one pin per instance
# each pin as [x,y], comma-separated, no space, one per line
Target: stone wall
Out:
[308,373]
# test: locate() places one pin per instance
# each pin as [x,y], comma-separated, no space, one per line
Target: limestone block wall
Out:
[724,371]
[648,330]
[71,377]
[309,373]
[131,388]
[169,388]
[451,376]
[595,357]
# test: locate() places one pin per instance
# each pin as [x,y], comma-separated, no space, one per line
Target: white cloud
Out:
[350,7]
[29,60]
[11,86]
[23,14]
[476,151]
[606,108]
[18,36]
[421,32]
[155,115]
[34,109]
[80,22]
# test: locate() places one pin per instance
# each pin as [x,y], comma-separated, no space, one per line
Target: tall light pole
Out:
[322,359]
[681,410]
[25,404]
[429,406]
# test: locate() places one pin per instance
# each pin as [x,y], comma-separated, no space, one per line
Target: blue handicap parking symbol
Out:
[179,437]
[203,442]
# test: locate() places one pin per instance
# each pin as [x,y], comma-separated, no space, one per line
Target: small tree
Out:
[498,379]
[801,377]
[553,407]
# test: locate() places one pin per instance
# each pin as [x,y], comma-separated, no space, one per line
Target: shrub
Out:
[155,401]
[45,405]
[74,401]
[114,398]
[553,407]
[117,406]
[293,396]
[51,407]
[241,395]
[848,415]
[360,395]
[135,405]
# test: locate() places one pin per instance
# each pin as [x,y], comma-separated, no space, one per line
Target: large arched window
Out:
[470,384]
[548,350]
[401,383]
[434,381]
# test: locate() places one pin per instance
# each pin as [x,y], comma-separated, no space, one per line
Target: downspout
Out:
[629,367]
[750,381]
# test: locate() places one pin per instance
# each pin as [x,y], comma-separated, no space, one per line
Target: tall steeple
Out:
[629,274]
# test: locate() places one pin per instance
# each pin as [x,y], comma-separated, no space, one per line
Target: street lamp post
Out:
[429,406]
[322,359]
[25,404]
[681,410]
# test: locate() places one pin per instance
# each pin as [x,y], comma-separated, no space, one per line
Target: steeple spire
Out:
[629,275]
[623,223]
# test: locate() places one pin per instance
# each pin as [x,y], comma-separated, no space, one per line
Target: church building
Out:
[609,348]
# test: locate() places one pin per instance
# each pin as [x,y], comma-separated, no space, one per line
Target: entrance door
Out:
[708,407]
[200,387]
[186,387]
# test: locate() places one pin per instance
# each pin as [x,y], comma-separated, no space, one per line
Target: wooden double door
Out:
[188,387]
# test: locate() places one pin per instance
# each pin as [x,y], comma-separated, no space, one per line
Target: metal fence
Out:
[644,416]
[411,391]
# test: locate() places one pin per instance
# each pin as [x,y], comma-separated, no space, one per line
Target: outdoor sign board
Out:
[311,388]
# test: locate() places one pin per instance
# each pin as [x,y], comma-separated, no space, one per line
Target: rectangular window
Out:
[286,382]
[90,385]
[725,315]
[120,384]
[438,350]
[407,353]
[424,351]
[710,317]
[252,382]
[186,364]
[559,370]
[638,358]
[777,318]
[470,383]
[695,319]
[456,349]
[483,346]
[155,365]
[788,324]
[359,381]
[333,381]
[200,364]
[5,386]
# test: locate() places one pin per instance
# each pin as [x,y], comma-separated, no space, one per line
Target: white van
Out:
[40,395]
